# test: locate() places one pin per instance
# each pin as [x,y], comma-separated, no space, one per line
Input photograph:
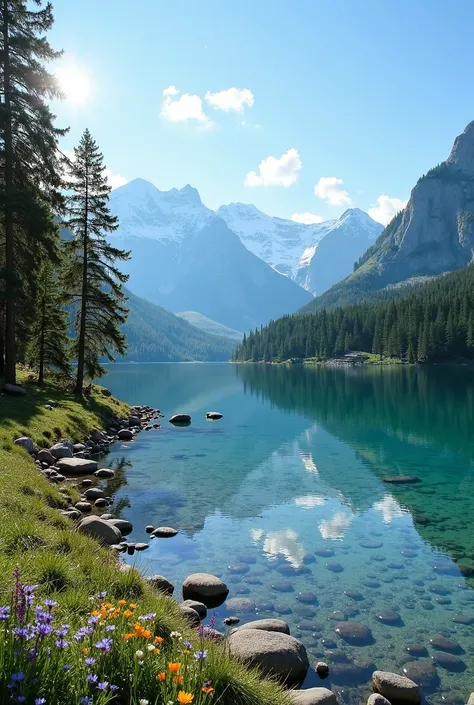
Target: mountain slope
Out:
[209,326]
[432,235]
[156,335]
[315,256]
[184,257]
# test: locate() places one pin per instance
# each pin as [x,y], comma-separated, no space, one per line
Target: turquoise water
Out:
[285,496]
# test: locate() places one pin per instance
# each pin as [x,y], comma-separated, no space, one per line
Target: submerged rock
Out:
[395,687]
[240,604]
[214,415]
[276,654]
[354,633]
[401,479]
[423,673]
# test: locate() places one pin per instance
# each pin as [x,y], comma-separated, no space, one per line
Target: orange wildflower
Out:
[161,676]
[95,613]
[207,690]
[133,606]
[174,667]
[128,636]
[108,605]
[178,679]
[156,651]
[128,613]
[122,602]
[85,651]
[186,652]
[146,633]
[158,639]
[185,698]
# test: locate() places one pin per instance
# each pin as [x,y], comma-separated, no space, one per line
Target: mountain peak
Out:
[462,153]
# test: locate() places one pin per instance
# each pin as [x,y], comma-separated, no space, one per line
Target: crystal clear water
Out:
[285,496]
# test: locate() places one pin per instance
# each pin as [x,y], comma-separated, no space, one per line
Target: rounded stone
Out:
[100,529]
[94,493]
[278,655]
[84,507]
[141,546]
[304,611]
[401,479]
[441,643]
[149,529]
[322,669]
[101,502]
[448,661]
[76,466]
[230,621]
[334,567]
[371,543]
[164,532]
[324,552]
[125,434]
[417,650]
[348,674]
[86,482]
[104,473]
[336,655]
[199,607]
[307,597]
[354,633]
[238,568]
[282,586]
[190,615]
[354,594]
[423,673]
[205,588]
[268,625]
[161,584]
[240,604]
[388,617]
[377,699]
[312,696]
[395,687]
[180,419]
[26,443]
[124,526]
[463,619]
[213,415]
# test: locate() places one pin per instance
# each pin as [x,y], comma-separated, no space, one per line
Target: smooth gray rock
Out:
[395,687]
[180,418]
[214,415]
[161,584]
[63,449]
[45,456]
[84,507]
[100,529]
[205,588]
[14,390]
[134,421]
[106,517]
[78,447]
[278,655]
[106,392]
[471,699]
[268,625]
[377,699]
[104,473]
[140,546]
[71,513]
[100,502]
[164,532]
[26,443]
[149,529]
[94,493]
[312,696]
[125,434]
[76,466]
[191,616]
[199,607]
[125,527]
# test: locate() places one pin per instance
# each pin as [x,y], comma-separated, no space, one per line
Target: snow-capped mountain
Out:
[315,256]
[185,258]
[332,258]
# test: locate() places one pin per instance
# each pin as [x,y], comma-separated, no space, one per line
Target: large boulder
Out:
[206,588]
[278,655]
[45,456]
[267,625]
[104,473]
[76,466]
[134,421]
[26,443]
[198,607]
[190,615]
[161,584]
[125,434]
[164,532]
[312,696]
[100,529]
[63,449]
[395,687]
[94,493]
[14,390]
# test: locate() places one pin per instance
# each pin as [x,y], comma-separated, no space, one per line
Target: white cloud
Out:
[186,107]
[231,99]
[330,189]
[389,508]
[276,172]
[310,501]
[386,209]
[114,180]
[336,527]
[306,218]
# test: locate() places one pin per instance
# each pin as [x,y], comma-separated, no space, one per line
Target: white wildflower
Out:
[151,647]
[176,635]
[143,702]
[139,654]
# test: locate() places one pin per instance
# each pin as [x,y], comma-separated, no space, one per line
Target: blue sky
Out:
[370,92]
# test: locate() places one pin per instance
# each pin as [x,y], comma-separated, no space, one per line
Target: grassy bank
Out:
[71,568]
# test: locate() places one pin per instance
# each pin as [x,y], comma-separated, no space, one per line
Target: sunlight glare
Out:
[74,83]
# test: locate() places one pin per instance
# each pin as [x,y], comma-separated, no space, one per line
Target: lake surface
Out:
[285,496]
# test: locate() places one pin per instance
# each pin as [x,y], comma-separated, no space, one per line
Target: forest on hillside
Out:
[430,323]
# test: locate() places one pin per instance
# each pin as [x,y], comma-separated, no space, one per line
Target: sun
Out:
[74,83]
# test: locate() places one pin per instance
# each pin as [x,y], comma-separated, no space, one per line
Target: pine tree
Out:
[30,165]
[94,282]
[411,357]
[48,344]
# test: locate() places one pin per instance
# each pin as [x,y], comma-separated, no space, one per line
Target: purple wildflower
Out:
[89,661]
[110,628]
[146,617]
[200,655]
[29,589]
[50,603]
[20,698]
[19,597]
[40,701]
[93,620]
[4,613]
[42,616]
[17,677]
[212,621]
[67,667]
[62,643]
[102,595]
[114,688]
[63,630]
[44,629]
[85,700]
[103,686]
[33,654]
[82,633]
[92,678]
[188,645]
[104,645]
[21,632]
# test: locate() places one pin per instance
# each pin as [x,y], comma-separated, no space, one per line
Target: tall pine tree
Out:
[94,281]
[48,344]
[30,165]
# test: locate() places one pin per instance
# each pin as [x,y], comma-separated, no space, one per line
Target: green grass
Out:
[71,567]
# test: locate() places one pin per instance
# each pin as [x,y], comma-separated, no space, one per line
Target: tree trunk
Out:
[10,353]
[82,325]
[41,351]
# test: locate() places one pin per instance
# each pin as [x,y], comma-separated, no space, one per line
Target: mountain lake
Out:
[284,498]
